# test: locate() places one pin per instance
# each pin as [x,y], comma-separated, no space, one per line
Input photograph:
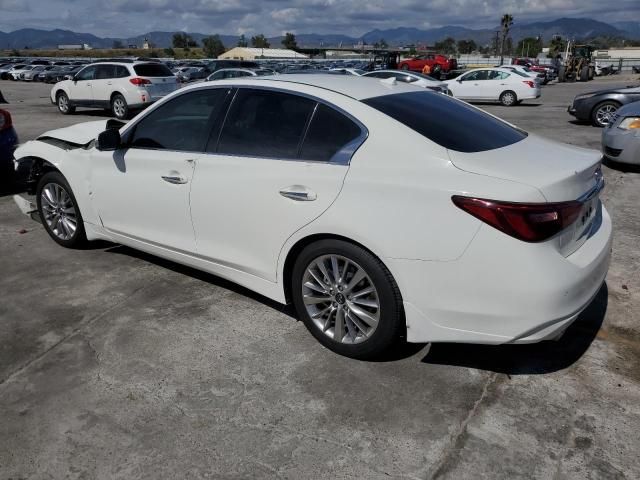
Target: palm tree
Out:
[505,22]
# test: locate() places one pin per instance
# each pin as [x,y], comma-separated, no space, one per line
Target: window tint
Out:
[152,70]
[496,75]
[87,74]
[104,72]
[329,131]
[477,75]
[121,72]
[183,123]
[265,124]
[447,122]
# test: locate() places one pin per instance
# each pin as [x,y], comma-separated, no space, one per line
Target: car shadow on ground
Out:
[621,167]
[530,359]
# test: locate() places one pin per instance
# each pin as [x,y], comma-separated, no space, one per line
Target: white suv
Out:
[116,86]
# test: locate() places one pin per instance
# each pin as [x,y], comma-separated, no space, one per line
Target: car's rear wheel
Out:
[603,113]
[508,98]
[119,107]
[59,211]
[562,75]
[405,66]
[64,106]
[584,74]
[347,299]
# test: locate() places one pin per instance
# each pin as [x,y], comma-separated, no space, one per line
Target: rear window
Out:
[447,122]
[152,70]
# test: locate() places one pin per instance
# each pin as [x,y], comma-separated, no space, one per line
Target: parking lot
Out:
[115,364]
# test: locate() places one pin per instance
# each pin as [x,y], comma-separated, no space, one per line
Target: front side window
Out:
[475,76]
[87,73]
[264,123]
[329,131]
[182,124]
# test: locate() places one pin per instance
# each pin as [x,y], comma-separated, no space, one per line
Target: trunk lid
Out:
[560,172]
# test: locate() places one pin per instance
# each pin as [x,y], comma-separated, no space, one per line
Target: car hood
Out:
[559,171]
[629,109]
[627,89]
[79,134]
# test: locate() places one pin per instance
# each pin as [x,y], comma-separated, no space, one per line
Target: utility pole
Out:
[497,41]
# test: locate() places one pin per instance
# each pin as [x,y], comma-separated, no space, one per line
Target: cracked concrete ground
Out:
[116,364]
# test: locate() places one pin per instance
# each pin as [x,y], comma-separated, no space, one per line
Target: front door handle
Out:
[175,179]
[299,193]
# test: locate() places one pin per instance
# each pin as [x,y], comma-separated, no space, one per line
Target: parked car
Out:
[30,75]
[540,78]
[494,84]
[5,69]
[600,106]
[8,143]
[363,202]
[548,71]
[189,74]
[418,63]
[417,79]
[239,72]
[15,72]
[621,137]
[118,87]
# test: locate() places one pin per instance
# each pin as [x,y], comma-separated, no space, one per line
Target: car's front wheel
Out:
[603,113]
[65,108]
[508,98]
[405,66]
[347,298]
[59,211]
[119,107]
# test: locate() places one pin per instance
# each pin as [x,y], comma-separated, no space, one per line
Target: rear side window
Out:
[121,72]
[152,70]
[447,122]
[263,123]
[182,124]
[328,133]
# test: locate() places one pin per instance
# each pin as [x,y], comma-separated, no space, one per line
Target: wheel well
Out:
[114,94]
[300,245]
[604,101]
[58,93]
[39,167]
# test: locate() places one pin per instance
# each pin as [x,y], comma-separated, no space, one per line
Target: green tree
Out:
[169,52]
[182,40]
[446,46]
[466,46]
[260,41]
[117,44]
[529,47]
[289,41]
[382,43]
[242,41]
[505,23]
[556,46]
[212,46]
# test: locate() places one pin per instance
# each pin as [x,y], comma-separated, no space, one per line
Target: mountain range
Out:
[573,28]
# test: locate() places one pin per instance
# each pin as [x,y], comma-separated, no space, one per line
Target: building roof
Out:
[266,52]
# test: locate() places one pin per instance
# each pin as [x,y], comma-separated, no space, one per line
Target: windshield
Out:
[450,123]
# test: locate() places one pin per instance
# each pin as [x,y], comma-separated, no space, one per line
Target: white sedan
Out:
[379,209]
[494,84]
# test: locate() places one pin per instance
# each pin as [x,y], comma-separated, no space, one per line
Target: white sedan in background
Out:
[379,209]
[494,84]
[417,79]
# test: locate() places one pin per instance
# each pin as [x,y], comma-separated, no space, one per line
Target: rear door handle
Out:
[299,193]
[175,179]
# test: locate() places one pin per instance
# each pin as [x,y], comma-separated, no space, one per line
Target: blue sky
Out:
[121,18]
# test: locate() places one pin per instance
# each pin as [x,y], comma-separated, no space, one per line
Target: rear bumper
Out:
[502,290]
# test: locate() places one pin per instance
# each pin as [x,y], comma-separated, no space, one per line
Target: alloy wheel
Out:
[63,103]
[605,113]
[119,107]
[341,299]
[58,210]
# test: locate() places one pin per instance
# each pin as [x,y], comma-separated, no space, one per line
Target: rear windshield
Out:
[450,123]
[152,70]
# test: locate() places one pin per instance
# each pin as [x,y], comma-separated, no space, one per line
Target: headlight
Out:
[630,123]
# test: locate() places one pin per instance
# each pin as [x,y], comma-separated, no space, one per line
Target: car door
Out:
[102,85]
[470,85]
[496,83]
[141,191]
[278,164]
[81,92]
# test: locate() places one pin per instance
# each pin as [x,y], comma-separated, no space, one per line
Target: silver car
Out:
[621,137]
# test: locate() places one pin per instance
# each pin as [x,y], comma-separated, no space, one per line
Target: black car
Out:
[600,107]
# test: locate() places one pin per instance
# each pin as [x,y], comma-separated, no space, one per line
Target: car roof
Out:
[358,88]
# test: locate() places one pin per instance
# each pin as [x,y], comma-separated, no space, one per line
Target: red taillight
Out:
[137,81]
[530,83]
[5,120]
[530,222]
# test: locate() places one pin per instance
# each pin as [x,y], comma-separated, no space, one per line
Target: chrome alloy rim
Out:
[508,98]
[605,114]
[341,299]
[118,107]
[58,211]
[63,103]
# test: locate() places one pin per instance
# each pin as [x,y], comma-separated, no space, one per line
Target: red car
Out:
[416,64]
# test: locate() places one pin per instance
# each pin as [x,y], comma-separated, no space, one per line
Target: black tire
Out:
[391,322]
[62,101]
[404,67]
[562,75]
[119,107]
[592,73]
[78,238]
[602,110]
[508,98]
[584,74]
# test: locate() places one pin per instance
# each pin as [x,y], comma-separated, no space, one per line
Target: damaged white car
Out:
[379,209]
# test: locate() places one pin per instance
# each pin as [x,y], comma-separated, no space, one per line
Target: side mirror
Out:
[109,140]
[459,80]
